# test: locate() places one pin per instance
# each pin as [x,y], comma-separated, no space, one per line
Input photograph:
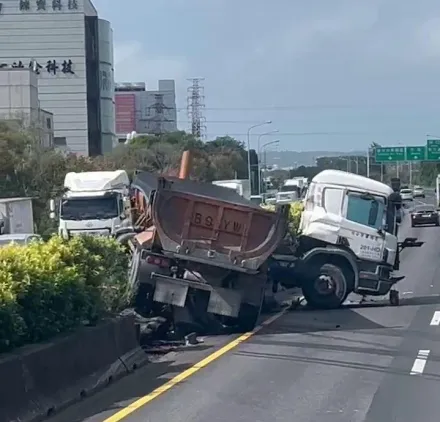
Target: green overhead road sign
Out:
[390,154]
[433,150]
[416,153]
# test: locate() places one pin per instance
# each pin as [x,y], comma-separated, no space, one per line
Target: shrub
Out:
[49,288]
[295,212]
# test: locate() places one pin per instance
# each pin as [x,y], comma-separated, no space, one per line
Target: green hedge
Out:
[53,287]
[295,212]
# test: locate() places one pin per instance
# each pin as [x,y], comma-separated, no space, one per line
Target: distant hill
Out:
[303,158]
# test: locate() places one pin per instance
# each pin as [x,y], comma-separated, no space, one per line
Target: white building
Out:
[71,50]
[19,102]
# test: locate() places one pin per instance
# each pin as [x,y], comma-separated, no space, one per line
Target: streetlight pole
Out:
[263,148]
[259,160]
[268,122]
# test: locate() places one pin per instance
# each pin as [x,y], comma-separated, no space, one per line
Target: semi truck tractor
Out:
[348,241]
[93,203]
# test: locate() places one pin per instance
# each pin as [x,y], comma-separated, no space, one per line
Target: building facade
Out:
[106,86]
[60,41]
[19,103]
[143,111]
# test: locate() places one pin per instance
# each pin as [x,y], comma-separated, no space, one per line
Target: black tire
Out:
[248,317]
[437,223]
[332,298]
[394,298]
[412,224]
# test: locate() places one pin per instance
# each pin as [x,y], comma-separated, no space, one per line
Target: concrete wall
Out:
[107,90]
[46,35]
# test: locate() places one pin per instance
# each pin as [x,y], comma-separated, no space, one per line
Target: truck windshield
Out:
[365,210]
[98,208]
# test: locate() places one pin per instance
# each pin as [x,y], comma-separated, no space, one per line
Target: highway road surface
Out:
[369,363]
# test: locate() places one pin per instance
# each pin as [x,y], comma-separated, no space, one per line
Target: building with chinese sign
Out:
[143,111]
[71,52]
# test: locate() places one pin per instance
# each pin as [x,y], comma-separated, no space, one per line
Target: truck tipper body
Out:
[201,246]
[94,203]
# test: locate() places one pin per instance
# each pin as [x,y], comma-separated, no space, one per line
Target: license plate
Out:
[426,215]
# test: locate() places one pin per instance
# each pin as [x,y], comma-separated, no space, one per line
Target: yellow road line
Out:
[123,413]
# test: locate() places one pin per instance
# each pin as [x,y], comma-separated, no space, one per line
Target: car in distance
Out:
[418,192]
[424,214]
[406,194]
[18,238]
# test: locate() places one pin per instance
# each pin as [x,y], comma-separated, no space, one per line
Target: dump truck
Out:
[200,247]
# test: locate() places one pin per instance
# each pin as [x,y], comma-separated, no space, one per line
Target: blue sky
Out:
[333,75]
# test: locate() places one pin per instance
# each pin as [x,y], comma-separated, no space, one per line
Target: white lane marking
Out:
[421,202]
[436,318]
[420,362]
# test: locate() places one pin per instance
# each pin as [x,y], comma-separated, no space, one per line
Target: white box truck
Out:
[16,216]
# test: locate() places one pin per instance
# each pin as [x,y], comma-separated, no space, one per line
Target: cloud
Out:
[133,64]
[428,38]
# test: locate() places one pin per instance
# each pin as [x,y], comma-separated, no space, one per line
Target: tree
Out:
[29,169]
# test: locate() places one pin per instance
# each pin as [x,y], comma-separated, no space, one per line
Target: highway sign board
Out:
[433,149]
[416,153]
[389,154]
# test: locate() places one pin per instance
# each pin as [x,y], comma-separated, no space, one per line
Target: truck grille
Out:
[103,232]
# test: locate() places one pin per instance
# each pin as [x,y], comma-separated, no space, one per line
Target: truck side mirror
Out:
[52,206]
[52,216]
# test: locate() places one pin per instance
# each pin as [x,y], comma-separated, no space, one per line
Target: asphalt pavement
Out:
[362,363]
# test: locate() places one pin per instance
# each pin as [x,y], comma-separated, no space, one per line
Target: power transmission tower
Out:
[155,123]
[195,108]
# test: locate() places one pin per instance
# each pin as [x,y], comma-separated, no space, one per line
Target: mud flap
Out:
[170,292]
[224,302]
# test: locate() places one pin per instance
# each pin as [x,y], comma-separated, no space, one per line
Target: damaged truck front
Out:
[202,249]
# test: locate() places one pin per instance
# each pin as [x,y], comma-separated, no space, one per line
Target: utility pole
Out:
[155,123]
[195,107]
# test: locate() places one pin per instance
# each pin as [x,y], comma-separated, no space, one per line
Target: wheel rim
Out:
[325,285]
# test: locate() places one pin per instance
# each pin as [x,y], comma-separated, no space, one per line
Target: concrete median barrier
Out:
[38,380]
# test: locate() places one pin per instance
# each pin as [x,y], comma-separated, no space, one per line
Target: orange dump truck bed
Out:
[209,224]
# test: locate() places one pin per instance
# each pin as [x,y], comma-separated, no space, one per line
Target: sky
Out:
[330,75]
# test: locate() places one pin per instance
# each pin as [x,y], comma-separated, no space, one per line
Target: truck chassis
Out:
[327,275]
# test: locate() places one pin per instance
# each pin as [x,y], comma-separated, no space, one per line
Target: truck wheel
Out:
[327,289]
[139,293]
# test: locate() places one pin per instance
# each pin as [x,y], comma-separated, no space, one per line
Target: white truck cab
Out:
[348,239]
[95,203]
[345,205]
